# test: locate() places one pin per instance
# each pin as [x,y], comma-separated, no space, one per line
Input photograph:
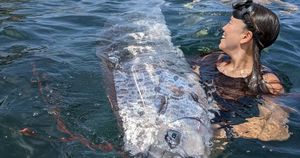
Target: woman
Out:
[235,78]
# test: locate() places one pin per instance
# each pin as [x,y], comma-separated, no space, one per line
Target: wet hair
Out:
[265,26]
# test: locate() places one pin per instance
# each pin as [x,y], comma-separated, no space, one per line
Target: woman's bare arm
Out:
[273,84]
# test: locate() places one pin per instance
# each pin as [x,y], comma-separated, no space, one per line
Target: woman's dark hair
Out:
[265,26]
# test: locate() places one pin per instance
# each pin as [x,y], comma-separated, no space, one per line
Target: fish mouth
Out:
[172,147]
[155,152]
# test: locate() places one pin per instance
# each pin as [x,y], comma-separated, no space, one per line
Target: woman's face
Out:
[233,34]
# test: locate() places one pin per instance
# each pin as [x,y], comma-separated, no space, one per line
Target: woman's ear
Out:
[246,37]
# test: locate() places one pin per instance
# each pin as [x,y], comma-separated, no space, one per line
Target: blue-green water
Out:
[48,65]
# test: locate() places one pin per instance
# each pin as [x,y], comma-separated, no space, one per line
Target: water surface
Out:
[49,66]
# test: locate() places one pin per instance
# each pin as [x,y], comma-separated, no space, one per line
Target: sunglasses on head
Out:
[242,4]
[242,10]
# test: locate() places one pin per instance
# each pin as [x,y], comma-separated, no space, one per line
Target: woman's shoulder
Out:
[214,54]
[215,57]
[273,83]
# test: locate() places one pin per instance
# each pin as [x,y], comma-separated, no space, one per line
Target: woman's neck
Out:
[241,61]
[240,64]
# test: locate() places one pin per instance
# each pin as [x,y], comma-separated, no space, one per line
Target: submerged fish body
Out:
[160,104]
[158,111]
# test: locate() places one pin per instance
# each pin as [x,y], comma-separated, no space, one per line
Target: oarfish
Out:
[162,109]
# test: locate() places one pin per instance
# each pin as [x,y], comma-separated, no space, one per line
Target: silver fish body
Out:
[162,109]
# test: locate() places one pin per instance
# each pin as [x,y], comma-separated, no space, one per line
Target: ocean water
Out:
[52,83]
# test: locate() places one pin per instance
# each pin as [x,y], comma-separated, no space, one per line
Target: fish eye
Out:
[174,135]
[173,138]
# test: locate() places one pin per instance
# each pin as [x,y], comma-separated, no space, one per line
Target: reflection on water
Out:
[61,38]
[56,108]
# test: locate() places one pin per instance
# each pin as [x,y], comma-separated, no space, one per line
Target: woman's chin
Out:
[221,46]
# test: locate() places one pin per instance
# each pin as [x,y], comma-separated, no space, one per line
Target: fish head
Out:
[187,137]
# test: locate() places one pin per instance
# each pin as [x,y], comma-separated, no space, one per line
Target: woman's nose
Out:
[223,28]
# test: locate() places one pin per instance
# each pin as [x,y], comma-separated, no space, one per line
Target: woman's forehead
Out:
[235,19]
[239,21]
